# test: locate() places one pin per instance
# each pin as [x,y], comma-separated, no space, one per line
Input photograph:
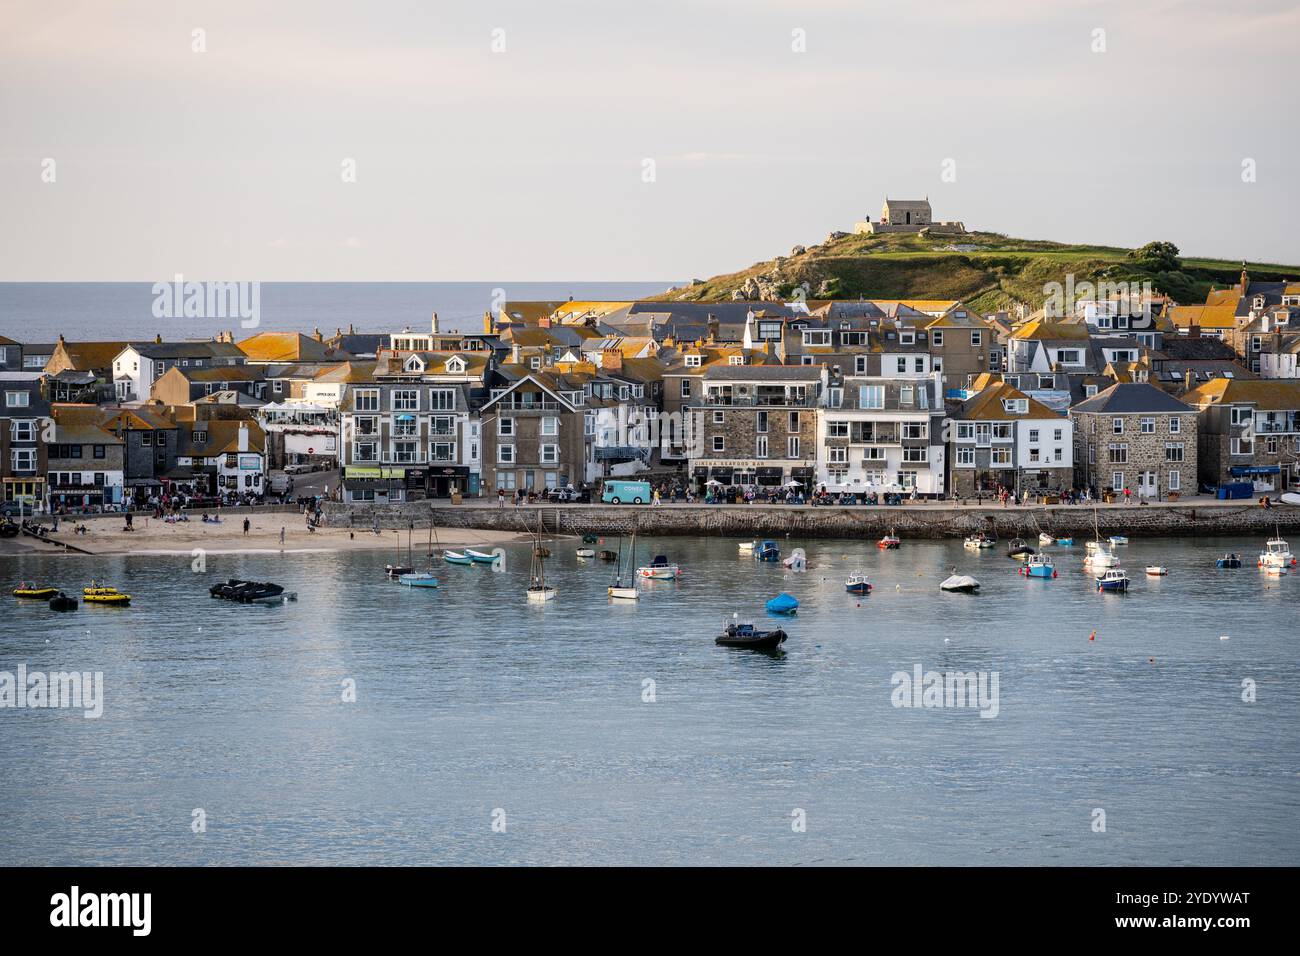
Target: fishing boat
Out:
[1229,560]
[623,587]
[102,594]
[586,552]
[538,590]
[1157,571]
[767,551]
[979,541]
[659,569]
[1044,539]
[1113,580]
[455,557]
[960,584]
[26,590]
[478,557]
[783,604]
[1038,566]
[858,583]
[606,555]
[1275,570]
[1276,553]
[1065,542]
[1019,549]
[737,634]
[419,579]
[798,561]
[1117,539]
[889,542]
[251,592]
[61,602]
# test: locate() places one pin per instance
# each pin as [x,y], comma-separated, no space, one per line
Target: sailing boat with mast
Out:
[624,587]
[422,579]
[1098,554]
[398,569]
[538,590]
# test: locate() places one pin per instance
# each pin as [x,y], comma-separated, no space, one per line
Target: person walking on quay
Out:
[246,526]
[654,499]
[1128,496]
[501,497]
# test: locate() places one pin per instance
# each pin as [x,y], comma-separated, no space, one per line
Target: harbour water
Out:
[473,707]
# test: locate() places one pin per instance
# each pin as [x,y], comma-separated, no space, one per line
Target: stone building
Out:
[1136,436]
[534,436]
[1249,431]
[1002,437]
[907,215]
[759,425]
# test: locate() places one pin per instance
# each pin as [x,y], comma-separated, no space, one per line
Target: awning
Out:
[768,472]
[1242,470]
[701,472]
[364,471]
[723,474]
[372,484]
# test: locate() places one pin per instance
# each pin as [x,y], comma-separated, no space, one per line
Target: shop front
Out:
[374,485]
[443,482]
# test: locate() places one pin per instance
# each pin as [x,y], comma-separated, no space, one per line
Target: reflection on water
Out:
[613,732]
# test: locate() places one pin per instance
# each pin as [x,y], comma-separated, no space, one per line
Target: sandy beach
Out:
[104,535]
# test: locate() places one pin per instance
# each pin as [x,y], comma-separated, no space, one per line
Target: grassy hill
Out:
[987,270]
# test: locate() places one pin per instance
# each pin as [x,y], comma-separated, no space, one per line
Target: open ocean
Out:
[38,312]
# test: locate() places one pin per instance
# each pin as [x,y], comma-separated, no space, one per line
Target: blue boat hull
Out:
[858,588]
[782,604]
[1113,586]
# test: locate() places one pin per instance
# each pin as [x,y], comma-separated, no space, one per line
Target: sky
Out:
[316,140]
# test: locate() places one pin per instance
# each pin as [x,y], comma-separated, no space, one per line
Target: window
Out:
[976,339]
[25,431]
[1069,356]
[686,387]
[792,447]
[692,361]
[1175,425]
[550,425]
[837,429]
[793,423]
[760,446]
[505,427]
[936,337]
[1117,480]
[873,454]
[760,422]
[1175,481]
[1174,451]
[366,399]
[871,396]
[965,457]
[198,436]
[1000,457]
[918,364]
[550,454]
[1033,435]
[100,451]
[442,399]
[816,337]
[718,417]
[1148,426]
[1057,434]
[24,459]
[17,399]
[905,395]
[860,364]
[406,400]
[965,431]
[1118,453]
[505,454]
[146,439]
[719,443]
[916,454]
[1241,446]
[1057,454]
[1117,426]
[913,430]
[901,363]
[838,455]
[834,397]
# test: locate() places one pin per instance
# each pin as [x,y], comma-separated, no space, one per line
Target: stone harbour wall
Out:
[740,521]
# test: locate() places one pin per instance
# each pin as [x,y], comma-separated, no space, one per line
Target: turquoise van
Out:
[625,492]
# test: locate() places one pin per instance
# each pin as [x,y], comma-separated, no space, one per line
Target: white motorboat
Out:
[1276,553]
[1101,558]
[659,570]
[1156,571]
[1118,539]
[798,561]
[960,584]
[1045,539]
[586,552]
[747,547]
[978,541]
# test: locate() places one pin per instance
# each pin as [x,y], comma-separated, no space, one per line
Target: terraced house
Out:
[882,433]
[760,425]
[23,410]
[1250,431]
[1002,437]
[408,433]
[87,460]
[1136,436]
[534,435]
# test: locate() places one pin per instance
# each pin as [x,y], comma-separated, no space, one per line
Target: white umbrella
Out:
[715,483]
[793,484]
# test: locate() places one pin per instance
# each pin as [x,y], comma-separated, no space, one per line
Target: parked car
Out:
[302,468]
[16,509]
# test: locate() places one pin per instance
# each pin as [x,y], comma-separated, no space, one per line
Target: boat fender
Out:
[1053,573]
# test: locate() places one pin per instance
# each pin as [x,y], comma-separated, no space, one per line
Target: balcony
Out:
[528,406]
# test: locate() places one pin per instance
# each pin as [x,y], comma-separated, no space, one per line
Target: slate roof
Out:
[1131,397]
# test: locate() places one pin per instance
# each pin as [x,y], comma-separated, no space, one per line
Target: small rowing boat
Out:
[419,579]
[478,557]
[1156,571]
[455,557]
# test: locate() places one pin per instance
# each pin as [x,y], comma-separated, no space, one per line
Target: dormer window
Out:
[693,361]
[414,364]
[736,360]
[1016,406]
[455,365]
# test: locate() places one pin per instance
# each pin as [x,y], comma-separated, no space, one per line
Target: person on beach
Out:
[246,526]
[282,536]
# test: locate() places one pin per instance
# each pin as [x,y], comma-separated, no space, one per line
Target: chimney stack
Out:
[433,324]
[487,323]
